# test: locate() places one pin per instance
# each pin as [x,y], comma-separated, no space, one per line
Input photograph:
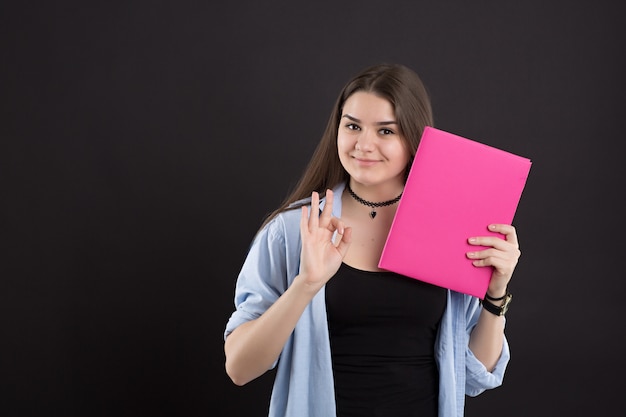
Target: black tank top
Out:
[382,335]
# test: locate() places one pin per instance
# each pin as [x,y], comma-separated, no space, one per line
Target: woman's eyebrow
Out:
[384,123]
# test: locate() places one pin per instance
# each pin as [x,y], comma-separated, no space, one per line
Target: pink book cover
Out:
[455,188]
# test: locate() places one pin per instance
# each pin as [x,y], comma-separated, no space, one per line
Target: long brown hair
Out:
[403,88]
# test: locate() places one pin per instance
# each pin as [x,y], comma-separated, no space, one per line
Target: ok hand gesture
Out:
[322,255]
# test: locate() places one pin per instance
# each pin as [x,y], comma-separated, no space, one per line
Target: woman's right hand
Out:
[321,256]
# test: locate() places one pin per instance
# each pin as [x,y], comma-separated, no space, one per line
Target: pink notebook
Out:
[455,188]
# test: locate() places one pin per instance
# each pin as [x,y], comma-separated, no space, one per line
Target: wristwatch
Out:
[497,310]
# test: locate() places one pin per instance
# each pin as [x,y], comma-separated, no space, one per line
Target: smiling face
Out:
[370,146]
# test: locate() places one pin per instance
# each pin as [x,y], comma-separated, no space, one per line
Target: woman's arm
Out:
[502,254]
[254,346]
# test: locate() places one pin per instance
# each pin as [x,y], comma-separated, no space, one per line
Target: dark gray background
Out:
[143,142]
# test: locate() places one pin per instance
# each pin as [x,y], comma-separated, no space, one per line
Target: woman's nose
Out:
[365,141]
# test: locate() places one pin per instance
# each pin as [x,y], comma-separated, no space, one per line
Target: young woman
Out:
[350,339]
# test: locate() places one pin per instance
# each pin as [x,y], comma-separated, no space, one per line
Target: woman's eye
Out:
[352,126]
[386,131]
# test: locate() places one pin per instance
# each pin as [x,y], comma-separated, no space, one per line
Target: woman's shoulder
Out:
[284,225]
[298,203]
[288,220]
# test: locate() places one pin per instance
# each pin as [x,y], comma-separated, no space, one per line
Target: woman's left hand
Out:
[501,254]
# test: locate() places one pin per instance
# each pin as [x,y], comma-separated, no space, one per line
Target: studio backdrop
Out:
[143,142]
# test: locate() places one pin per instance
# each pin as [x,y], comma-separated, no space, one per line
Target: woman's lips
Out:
[365,162]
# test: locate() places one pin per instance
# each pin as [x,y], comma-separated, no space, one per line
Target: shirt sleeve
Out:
[262,278]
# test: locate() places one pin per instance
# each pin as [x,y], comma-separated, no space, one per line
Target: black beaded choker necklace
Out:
[371,204]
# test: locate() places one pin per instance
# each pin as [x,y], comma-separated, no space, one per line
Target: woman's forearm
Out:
[487,339]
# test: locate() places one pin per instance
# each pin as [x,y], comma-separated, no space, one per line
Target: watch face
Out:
[505,306]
